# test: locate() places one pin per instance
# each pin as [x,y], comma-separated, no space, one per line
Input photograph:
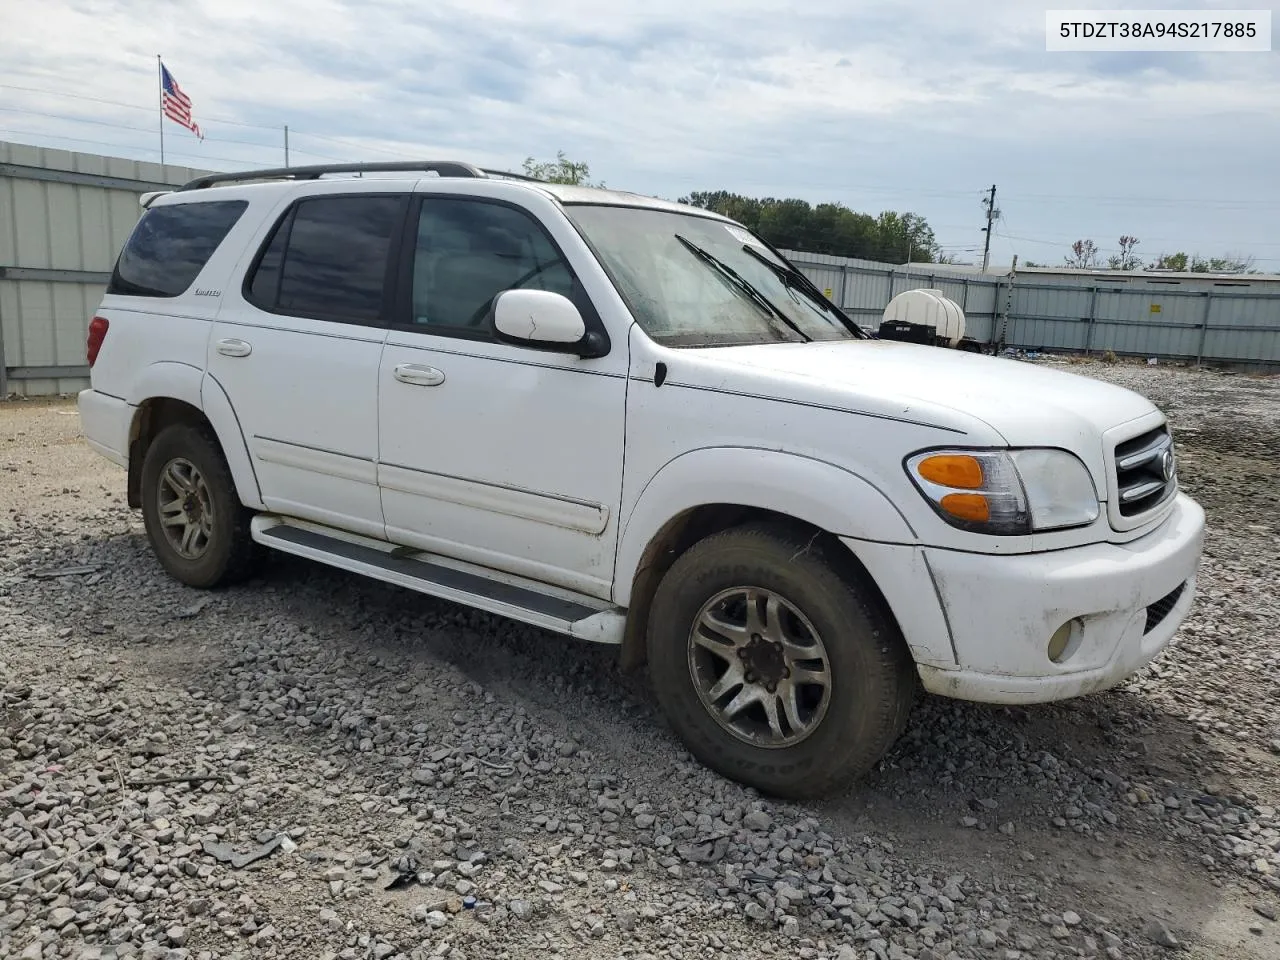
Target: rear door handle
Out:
[234,348]
[419,375]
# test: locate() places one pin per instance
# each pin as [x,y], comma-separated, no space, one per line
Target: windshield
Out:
[694,281]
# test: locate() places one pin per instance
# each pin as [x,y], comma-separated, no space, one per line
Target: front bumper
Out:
[1001,612]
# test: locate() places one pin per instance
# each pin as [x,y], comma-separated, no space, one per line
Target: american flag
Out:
[176,104]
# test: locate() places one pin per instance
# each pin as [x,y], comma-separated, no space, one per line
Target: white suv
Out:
[632,422]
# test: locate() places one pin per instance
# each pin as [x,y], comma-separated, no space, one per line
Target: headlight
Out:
[1006,492]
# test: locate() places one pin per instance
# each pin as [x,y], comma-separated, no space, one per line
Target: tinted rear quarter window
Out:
[170,245]
[327,259]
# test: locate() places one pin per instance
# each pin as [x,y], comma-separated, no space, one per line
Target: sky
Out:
[907,105]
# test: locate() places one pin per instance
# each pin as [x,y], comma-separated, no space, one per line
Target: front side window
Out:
[170,245]
[327,259]
[467,252]
[691,280]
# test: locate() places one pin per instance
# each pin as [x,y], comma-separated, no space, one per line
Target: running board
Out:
[515,597]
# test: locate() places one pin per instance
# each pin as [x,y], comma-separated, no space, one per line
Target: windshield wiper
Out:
[798,281]
[744,286]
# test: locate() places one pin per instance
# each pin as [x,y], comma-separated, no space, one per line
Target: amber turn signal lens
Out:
[952,470]
[967,506]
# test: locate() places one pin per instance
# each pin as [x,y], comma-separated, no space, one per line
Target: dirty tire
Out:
[872,677]
[231,554]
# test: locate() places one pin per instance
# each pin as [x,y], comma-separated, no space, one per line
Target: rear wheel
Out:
[197,526]
[775,664]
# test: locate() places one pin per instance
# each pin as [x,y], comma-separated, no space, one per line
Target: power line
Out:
[242,162]
[357,145]
[843,186]
[293,132]
[207,119]
[124,126]
[1216,243]
[1052,243]
[130,106]
[1024,199]
[1137,200]
[1109,250]
[109,143]
[1021,198]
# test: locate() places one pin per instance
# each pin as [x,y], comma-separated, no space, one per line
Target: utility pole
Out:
[993,214]
[286,144]
[1008,305]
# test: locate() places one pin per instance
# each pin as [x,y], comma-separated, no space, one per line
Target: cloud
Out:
[876,104]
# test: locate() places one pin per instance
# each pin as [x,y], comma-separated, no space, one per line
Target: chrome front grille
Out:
[1146,472]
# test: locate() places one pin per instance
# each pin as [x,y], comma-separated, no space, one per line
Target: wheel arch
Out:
[705,492]
[179,393]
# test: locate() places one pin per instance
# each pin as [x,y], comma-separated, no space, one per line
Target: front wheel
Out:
[776,665]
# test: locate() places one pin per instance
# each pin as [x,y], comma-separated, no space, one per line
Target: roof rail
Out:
[444,168]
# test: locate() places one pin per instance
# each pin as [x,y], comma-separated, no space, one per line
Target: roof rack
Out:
[444,168]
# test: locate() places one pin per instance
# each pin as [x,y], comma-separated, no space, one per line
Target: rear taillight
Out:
[97,333]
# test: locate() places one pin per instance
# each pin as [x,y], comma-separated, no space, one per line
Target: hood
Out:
[1026,405]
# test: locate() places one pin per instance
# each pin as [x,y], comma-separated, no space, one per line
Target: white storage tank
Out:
[928,308]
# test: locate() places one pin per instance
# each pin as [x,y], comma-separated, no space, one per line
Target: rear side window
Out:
[170,246]
[327,259]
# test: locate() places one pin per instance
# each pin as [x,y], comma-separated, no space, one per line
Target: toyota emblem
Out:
[1168,468]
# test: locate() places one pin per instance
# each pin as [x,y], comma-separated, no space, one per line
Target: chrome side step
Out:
[527,601]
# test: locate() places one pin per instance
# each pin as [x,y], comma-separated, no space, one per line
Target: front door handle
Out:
[234,348]
[419,375]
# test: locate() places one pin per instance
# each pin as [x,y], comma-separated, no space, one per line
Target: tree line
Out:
[791,224]
[828,228]
[1085,255]
[890,237]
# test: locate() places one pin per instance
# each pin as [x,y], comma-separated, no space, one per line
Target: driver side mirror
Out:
[543,320]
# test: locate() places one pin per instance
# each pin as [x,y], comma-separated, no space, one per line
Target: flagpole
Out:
[160,77]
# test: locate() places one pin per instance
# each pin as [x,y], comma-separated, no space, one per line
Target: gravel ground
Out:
[419,780]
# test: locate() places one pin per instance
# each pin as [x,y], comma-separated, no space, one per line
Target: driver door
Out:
[492,453]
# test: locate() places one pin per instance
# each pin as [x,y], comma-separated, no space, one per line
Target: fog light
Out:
[1060,642]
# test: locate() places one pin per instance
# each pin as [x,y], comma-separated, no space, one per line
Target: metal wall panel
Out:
[863,288]
[1243,328]
[1140,316]
[1045,318]
[867,293]
[63,218]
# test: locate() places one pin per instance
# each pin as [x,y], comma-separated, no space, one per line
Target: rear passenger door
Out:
[297,347]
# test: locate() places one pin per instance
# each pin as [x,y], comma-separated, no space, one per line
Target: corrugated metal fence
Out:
[63,219]
[1229,320]
[64,216]
[862,288]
